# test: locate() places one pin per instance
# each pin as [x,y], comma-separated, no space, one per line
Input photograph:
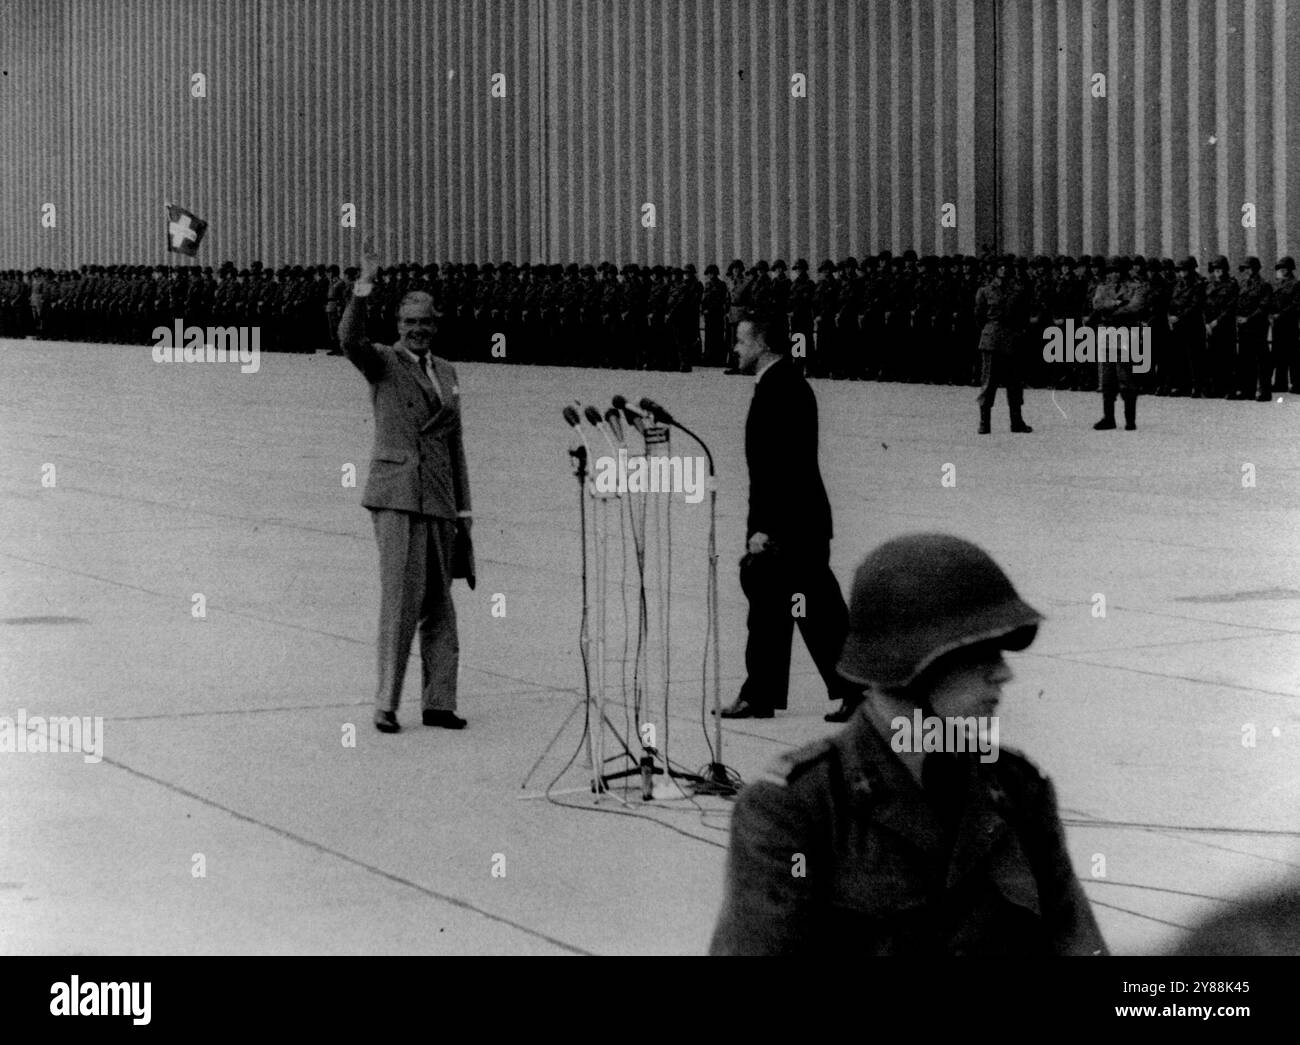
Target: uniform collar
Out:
[883,789]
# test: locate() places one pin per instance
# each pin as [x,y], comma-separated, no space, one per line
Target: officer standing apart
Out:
[1121,301]
[861,844]
[418,496]
[1000,315]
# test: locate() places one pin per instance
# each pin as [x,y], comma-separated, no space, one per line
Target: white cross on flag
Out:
[185,230]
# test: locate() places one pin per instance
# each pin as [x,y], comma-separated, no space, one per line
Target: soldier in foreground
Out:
[859,844]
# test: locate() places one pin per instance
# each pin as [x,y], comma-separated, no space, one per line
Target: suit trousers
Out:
[415,557]
[771,580]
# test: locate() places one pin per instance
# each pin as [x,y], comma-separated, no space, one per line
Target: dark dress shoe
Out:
[386,722]
[1020,426]
[445,719]
[844,712]
[744,709]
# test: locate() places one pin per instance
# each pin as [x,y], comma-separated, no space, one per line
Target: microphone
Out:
[657,412]
[615,422]
[633,415]
[596,421]
[582,452]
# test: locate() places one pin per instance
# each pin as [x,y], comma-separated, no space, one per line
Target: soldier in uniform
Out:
[966,357]
[1254,305]
[826,306]
[1220,329]
[1286,326]
[861,845]
[799,308]
[1160,280]
[713,306]
[536,347]
[900,347]
[1186,321]
[1121,301]
[736,281]
[689,320]
[1000,315]
[635,316]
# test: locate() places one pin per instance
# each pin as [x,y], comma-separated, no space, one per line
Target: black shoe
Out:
[1263,398]
[744,709]
[1021,427]
[983,430]
[1105,424]
[845,711]
[445,719]
[386,722]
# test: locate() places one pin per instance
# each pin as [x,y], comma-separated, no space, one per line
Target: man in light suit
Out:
[418,496]
[788,531]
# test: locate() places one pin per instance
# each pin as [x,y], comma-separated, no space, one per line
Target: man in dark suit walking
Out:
[418,496]
[786,572]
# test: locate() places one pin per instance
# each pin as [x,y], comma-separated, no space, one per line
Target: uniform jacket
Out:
[879,878]
[418,461]
[1220,300]
[1286,302]
[1187,300]
[999,312]
[1254,301]
[787,500]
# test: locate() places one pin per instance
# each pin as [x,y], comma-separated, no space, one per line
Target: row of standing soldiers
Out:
[126,303]
[899,318]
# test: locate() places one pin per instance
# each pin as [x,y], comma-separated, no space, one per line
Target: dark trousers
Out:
[1254,366]
[771,580]
[1286,355]
[1000,370]
[1221,356]
[415,559]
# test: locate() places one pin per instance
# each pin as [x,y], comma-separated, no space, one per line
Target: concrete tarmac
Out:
[244,804]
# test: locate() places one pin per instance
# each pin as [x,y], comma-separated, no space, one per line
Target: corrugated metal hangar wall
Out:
[694,106]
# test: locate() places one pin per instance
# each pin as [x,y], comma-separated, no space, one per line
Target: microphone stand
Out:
[719,780]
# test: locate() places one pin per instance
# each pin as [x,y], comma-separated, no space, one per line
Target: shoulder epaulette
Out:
[788,766]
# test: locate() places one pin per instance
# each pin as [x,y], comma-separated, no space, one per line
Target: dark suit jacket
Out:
[881,875]
[418,461]
[787,500]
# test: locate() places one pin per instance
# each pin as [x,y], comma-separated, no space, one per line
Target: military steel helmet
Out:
[1189,264]
[918,597]
[711,270]
[779,265]
[1220,262]
[826,266]
[909,255]
[1249,263]
[1287,263]
[801,265]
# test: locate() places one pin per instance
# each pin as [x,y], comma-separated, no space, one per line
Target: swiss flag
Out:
[185,230]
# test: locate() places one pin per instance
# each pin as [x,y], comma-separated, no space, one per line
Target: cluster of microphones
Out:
[613,419]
